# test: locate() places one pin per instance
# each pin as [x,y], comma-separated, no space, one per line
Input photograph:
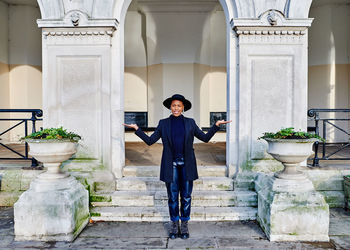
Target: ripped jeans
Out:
[179,184]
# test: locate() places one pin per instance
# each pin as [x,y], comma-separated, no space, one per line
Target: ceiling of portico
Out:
[175,5]
[21,2]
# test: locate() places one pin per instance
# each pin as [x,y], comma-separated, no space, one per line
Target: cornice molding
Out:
[77,19]
[270,31]
[78,33]
[271,22]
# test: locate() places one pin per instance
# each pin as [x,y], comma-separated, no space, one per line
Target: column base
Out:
[55,210]
[291,210]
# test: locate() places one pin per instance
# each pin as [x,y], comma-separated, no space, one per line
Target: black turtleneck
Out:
[177,135]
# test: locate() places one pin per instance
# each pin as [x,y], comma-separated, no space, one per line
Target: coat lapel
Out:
[169,131]
[187,128]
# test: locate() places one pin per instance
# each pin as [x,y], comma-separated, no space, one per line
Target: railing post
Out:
[34,161]
[317,132]
[324,137]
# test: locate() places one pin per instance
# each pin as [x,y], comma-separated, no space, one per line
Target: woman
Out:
[178,166]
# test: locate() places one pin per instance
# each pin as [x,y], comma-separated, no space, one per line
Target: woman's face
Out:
[176,107]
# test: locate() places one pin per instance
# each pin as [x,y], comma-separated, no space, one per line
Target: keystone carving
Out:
[272,18]
[75,18]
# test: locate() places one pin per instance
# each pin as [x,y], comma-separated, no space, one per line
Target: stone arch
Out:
[120,9]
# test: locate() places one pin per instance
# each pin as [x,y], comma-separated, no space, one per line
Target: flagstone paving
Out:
[153,235]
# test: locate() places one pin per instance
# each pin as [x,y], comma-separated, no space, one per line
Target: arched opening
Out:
[165,54]
[20,68]
[329,68]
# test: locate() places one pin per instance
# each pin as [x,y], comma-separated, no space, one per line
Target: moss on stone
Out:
[98,198]
[223,187]
[94,214]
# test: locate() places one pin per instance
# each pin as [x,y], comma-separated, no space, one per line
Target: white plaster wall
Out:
[218,39]
[24,35]
[329,66]
[4,67]
[183,55]
[24,50]
[4,32]
[135,50]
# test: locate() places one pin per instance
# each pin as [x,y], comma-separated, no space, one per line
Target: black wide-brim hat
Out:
[168,101]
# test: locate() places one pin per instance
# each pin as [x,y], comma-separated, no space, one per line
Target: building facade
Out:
[94,60]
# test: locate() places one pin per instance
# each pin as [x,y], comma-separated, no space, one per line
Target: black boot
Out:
[184,230]
[174,229]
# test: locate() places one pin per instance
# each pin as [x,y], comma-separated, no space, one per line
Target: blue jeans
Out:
[179,184]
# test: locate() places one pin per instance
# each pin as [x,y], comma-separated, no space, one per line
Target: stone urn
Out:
[347,191]
[52,153]
[290,152]
[56,205]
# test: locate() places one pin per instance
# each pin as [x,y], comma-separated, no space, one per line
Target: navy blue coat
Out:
[163,131]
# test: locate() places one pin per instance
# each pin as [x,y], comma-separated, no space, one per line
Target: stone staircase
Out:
[140,196]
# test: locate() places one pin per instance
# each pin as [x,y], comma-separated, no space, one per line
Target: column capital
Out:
[78,19]
[271,22]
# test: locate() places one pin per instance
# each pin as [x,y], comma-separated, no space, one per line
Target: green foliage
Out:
[290,133]
[54,134]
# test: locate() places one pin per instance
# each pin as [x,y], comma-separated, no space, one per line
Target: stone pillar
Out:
[272,61]
[291,210]
[77,84]
[52,210]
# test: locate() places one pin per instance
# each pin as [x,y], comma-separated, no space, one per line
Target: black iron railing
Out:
[35,114]
[330,122]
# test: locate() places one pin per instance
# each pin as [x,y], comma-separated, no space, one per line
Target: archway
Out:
[231,106]
[166,55]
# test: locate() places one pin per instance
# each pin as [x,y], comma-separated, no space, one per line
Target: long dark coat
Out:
[163,131]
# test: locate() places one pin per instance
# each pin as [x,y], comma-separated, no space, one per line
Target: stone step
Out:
[153,171]
[154,184]
[159,198]
[162,213]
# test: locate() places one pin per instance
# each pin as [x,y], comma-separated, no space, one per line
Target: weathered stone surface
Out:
[98,181]
[245,181]
[334,198]
[162,213]
[153,171]
[7,199]
[51,210]
[266,166]
[133,198]
[325,180]
[82,165]
[153,183]
[287,213]
[27,177]
[11,180]
[215,198]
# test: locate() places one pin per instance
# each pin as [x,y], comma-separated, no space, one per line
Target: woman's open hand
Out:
[218,123]
[134,126]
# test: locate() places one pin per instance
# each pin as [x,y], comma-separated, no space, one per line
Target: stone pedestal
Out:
[52,210]
[291,210]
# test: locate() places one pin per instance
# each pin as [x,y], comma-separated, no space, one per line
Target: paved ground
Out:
[204,235]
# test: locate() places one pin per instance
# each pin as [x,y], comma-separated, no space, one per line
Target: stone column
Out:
[272,61]
[77,83]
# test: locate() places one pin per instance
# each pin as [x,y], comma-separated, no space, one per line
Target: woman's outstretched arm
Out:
[149,140]
[205,137]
